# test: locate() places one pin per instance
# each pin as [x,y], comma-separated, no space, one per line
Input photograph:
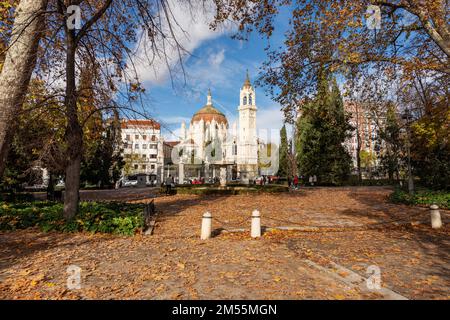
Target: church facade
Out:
[212,144]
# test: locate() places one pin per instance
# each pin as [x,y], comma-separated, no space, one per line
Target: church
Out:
[209,145]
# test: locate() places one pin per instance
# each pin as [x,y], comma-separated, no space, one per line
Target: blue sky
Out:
[218,62]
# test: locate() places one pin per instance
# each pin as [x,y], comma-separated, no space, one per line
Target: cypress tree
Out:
[283,153]
[322,130]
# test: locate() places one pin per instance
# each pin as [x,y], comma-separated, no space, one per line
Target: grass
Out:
[422,197]
[114,218]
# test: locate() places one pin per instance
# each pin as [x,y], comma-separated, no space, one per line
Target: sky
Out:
[216,61]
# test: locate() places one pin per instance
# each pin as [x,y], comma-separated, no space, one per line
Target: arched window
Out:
[250,99]
[245,101]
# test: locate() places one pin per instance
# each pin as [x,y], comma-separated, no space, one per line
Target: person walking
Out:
[295,182]
[169,182]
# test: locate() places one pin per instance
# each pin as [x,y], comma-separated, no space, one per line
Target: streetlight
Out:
[406,116]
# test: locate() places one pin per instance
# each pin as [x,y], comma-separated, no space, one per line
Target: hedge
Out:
[115,218]
[422,197]
[229,190]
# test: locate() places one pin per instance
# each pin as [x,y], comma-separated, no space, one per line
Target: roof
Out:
[139,123]
[208,113]
[172,143]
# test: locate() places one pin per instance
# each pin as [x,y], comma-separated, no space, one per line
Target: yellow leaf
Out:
[181,265]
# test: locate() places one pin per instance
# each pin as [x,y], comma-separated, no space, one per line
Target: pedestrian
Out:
[169,182]
[295,182]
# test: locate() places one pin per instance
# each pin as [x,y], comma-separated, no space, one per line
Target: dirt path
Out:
[175,264]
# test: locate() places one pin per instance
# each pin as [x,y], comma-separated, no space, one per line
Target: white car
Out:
[60,184]
[130,183]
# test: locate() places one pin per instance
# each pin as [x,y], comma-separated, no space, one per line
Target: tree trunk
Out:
[74,133]
[358,155]
[19,63]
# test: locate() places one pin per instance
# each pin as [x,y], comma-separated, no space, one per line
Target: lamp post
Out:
[407,116]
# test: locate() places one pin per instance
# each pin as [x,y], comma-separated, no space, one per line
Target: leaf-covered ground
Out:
[356,229]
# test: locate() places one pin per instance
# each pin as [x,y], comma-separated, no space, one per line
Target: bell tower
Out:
[247,155]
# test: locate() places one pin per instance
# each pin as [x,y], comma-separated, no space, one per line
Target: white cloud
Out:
[214,74]
[216,59]
[190,25]
[269,122]
[174,120]
[172,135]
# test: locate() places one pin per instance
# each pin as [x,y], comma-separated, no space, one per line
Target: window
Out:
[128,137]
[136,136]
[136,167]
[144,146]
[125,145]
[136,146]
[152,166]
[153,146]
[245,101]
[153,138]
[153,156]
[234,149]
[250,99]
[144,156]
[144,167]
[144,137]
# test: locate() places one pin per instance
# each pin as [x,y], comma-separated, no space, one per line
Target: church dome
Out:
[208,113]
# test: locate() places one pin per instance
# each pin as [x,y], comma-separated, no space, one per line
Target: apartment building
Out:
[142,147]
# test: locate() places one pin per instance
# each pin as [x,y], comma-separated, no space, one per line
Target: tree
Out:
[322,130]
[104,39]
[338,35]
[430,147]
[390,137]
[368,159]
[36,141]
[130,160]
[17,68]
[283,170]
[102,163]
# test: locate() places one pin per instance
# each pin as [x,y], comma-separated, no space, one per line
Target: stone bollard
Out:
[206,226]
[436,221]
[256,224]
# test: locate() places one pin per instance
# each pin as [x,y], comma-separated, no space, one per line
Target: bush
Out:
[115,218]
[422,197]
[16,197]
[229,190]
[353,180]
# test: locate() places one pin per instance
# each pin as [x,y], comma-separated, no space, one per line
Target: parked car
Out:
[259,180]
[129,181]
[196,181]
[61,184]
